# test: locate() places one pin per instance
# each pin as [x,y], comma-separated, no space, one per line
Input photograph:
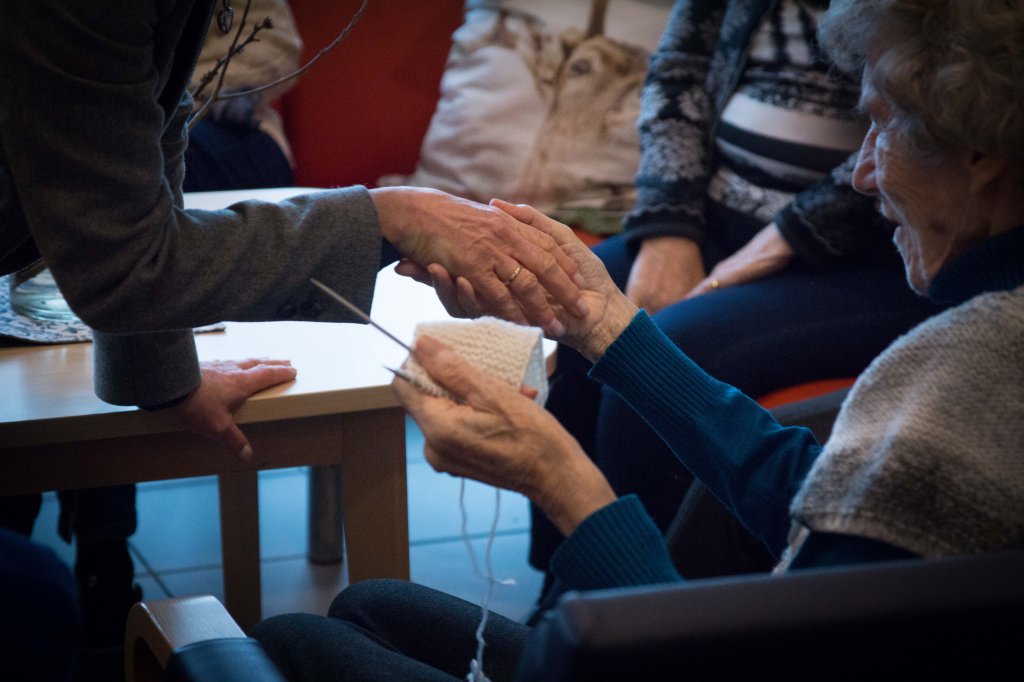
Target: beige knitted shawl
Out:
[927,452]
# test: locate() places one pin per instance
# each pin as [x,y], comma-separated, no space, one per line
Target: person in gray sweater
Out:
[93,111]
[925,459]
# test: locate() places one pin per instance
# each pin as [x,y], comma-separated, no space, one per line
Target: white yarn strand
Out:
[476,666]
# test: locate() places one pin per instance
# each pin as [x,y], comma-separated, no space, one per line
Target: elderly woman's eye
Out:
[580,67]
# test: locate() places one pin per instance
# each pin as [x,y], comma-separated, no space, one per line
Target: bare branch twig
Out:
[222,65]
[305,67]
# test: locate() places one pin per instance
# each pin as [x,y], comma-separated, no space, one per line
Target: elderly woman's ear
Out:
[995,183]
[987,170]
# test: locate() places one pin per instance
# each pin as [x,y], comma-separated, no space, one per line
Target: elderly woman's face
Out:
[927,197]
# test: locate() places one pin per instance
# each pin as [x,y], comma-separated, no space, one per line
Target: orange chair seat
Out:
[810,389]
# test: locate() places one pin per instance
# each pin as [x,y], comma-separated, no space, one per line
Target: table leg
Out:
[240,545]
[374,497]
[325,519]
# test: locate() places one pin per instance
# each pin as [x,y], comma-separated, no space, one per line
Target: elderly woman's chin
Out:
[917,275]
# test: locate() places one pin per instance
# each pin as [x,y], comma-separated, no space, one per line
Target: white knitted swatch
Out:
[509,351]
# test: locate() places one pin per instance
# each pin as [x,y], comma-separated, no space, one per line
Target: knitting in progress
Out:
[509,351]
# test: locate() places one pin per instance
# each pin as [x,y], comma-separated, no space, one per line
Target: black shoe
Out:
[106,592]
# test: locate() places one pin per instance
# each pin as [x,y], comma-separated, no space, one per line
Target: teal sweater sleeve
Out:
[616,546]
[736,448]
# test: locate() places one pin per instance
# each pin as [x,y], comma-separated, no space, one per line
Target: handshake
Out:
[504,260]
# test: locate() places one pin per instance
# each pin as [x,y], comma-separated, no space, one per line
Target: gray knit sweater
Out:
[899,469]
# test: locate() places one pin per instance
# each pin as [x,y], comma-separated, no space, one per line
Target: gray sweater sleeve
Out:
[144,369]
[95,160]
[93,136]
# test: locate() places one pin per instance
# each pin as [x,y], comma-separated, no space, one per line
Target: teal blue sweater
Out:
[750,462]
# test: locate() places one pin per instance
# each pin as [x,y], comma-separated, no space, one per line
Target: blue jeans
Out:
[795,326]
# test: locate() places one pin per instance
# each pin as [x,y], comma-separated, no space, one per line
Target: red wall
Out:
[363,109]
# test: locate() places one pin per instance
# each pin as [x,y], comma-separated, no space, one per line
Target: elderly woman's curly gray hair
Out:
[952,70]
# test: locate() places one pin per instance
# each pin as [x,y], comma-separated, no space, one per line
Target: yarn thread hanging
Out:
[513,353]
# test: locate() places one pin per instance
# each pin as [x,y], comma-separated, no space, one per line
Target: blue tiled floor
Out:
[177,546]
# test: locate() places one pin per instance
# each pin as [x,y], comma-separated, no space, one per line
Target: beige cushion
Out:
[531,111]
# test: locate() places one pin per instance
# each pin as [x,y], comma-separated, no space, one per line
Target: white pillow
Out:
[530,112]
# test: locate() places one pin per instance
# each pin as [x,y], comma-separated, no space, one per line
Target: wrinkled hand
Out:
[485,246]
[608,310]
[209,410]
[498,436]
[767,252]
[666,269]
[455,293]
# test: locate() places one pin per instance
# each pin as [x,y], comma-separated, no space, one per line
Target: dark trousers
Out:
[391,630]
[223,156]
[91,515]
[40,622]
[792,327]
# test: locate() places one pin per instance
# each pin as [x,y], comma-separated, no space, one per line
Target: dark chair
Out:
[960,617]
[957,617]
[191,638]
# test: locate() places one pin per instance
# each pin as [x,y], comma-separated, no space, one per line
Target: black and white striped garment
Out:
[788,123]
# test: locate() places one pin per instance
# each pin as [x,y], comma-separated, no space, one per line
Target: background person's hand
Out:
[665,270]
[767,252]
[209,410]
[496,435]
[511,267]
[238,110]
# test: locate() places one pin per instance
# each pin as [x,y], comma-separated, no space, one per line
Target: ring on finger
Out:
[512,277]
[714,284]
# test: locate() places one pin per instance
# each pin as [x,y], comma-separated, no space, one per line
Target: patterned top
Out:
[788,123]
[714,56]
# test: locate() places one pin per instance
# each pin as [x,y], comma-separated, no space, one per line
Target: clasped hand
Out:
[518,273]
[606,310]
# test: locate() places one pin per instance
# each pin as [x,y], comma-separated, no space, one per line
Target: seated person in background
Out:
[925,456]
[747,246]
[240,143]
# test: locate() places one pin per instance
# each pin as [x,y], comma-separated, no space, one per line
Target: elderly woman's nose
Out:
[864,172]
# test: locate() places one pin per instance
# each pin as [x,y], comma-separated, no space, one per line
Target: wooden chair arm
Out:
[157,627]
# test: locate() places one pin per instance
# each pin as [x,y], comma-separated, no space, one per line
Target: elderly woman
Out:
[925,457]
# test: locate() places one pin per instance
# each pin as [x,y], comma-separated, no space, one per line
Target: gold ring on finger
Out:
[512,277]
[714,284]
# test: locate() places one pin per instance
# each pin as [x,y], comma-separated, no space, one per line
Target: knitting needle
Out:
[401,374]
[360,314]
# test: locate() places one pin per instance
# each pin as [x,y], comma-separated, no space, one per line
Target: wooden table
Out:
[55,434]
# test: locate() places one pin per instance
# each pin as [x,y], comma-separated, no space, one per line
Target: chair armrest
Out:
[817,413]
[946,618]
[156,628]
[232,659]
